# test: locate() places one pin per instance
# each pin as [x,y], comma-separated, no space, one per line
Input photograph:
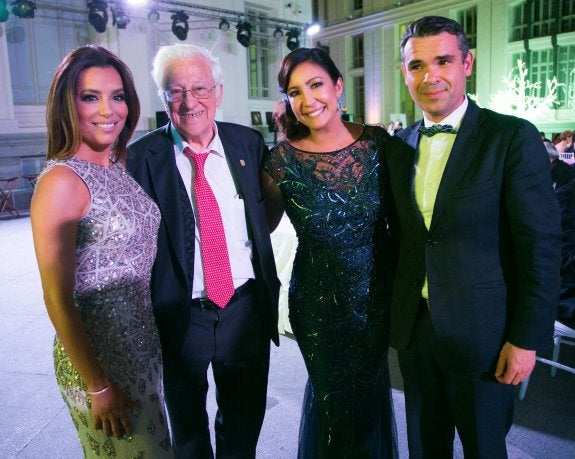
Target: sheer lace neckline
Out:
[331,152]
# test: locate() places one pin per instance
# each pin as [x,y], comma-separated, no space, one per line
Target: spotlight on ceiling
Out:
[224,25]
[278,33]
[180,26]
[97,15]
[23,9]
[244,33]
[292,39]
[153,15]
[119,18]
[312,29]
[3,11]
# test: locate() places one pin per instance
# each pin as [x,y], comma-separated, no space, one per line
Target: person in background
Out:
[332,179]
[563,177]
[95,236]
[398,126]
[565,142]
[391,128]
[214,284]
[561,172]
[478,273]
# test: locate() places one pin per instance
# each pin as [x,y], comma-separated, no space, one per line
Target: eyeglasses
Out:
[177,94]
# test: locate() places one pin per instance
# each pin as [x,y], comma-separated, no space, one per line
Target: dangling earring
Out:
[339,105]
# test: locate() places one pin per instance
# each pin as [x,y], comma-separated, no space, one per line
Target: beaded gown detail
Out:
[115,250]
[340,293]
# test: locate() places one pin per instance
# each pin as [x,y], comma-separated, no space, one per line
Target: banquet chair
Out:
[562,334]
[7,196]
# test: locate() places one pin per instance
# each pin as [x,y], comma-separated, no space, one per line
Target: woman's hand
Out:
[110,411]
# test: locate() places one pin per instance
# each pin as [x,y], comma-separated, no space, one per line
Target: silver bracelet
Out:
[101,391]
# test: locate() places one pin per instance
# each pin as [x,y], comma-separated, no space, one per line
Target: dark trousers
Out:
[439,399]
[233,341]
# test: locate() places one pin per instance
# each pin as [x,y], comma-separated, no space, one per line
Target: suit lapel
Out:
[240,162]
[412,139]
[164,176]
[464,149]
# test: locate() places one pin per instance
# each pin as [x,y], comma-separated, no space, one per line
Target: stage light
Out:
[119,18]
[278,33]
[97,15]
[312,29]
[23,9]
[153,15]
[180,26]
[244,33]
[292,39]
[224,25]
[3,11]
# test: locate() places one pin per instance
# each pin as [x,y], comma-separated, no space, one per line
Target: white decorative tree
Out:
[522,97]
[571,90]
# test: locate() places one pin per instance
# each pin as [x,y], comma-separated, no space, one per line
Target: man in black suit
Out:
[196,329]
[478,276]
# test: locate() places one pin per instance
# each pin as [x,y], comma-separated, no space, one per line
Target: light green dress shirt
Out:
[433,155]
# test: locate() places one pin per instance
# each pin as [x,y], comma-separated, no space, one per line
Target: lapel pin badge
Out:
[242,162]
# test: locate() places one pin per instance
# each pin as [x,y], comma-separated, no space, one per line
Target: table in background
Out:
[31,179]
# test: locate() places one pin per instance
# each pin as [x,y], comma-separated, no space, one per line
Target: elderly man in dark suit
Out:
[214,283]
[478,276]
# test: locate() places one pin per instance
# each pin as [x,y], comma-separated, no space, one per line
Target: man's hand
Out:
[514,365]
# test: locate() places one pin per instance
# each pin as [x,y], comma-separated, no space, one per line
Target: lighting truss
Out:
[223,18]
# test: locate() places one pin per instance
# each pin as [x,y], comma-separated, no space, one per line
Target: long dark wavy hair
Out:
[64,136]
[286,119]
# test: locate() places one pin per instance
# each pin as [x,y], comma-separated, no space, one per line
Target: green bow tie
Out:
[436,129]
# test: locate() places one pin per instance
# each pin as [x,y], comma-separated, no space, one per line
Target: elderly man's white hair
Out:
[169,55]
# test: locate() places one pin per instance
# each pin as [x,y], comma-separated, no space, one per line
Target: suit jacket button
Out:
[430,243]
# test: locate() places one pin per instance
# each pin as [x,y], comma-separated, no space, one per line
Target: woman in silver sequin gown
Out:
[332,180]
[95,236]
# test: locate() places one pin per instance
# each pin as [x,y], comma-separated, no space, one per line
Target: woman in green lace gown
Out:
[331,178]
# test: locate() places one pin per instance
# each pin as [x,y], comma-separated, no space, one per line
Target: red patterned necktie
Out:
[216,261]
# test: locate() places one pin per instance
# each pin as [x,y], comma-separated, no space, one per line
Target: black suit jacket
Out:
[491,254]
[152,163]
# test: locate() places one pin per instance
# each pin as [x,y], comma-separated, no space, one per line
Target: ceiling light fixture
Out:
[153,15]
[224,25]
[312,29]
[244,34]
[119,18]
[23,9]
[3,11]
[97,15]
[278,33]
[292,39]
[180,26]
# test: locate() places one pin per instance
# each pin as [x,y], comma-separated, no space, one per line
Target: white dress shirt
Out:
[231,204]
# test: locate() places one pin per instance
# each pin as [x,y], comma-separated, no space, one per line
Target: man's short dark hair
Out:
[429,26]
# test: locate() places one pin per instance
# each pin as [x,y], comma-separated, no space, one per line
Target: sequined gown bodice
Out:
[339,293]
[115,250]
